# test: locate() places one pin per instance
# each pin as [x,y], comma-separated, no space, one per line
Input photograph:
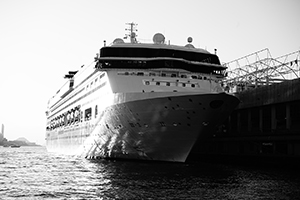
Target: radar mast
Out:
[132,35]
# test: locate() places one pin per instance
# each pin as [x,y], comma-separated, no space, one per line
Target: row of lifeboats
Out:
[67,118]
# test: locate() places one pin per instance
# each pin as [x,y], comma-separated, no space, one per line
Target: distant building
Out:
[2,133]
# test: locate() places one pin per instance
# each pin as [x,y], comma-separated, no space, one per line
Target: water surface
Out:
[33,173]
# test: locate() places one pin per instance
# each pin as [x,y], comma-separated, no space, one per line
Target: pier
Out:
[266,124]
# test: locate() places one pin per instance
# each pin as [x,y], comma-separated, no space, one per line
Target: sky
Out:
[41,40]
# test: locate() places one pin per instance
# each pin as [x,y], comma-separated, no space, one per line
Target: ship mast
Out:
[132,35]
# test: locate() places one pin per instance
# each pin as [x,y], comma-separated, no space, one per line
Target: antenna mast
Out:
[132,35]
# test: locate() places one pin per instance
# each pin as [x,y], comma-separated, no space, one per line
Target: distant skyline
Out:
[1,132]
[41,40]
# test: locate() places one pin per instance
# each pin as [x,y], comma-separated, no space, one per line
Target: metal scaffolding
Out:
[259,69]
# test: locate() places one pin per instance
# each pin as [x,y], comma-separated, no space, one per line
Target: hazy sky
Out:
[42,40]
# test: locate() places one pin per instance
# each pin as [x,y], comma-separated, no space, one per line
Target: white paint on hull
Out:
[160,128]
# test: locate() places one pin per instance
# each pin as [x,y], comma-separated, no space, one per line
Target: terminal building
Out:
[266,124]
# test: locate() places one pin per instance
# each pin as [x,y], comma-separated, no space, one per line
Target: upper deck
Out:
[151,56]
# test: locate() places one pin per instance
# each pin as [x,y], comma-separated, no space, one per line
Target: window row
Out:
[73,116]
[172,75]
[95,81]
[177,84]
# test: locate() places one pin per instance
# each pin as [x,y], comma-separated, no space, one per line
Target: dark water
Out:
[32,173]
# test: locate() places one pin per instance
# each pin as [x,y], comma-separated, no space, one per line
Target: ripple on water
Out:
[32,173]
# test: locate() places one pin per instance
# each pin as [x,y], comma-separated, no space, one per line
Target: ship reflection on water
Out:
[33,173]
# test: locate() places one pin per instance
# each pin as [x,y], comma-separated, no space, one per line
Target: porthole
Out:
[162,124]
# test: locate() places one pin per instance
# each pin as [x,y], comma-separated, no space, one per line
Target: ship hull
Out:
[138,127]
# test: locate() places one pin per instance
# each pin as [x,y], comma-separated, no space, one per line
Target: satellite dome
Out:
[158,38]
[118,41]
[189,46]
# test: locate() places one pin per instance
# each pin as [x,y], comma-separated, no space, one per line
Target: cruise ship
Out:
[144,101]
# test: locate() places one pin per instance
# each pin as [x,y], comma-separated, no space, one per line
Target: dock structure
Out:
[266,124]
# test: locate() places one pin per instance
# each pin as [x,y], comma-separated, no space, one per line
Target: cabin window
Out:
[168,84]
[163,74]
[77,114]
[193,85]
[194,77]
[72,116]
[62,119]
[126,73]
[65,119]
[71,83]
[140,73]
[157,83]
[183,84]
[88,114]
[96,111]
[173,75]
[204,78]
[152,74]
[102,75]
[147,82]
[183,76]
